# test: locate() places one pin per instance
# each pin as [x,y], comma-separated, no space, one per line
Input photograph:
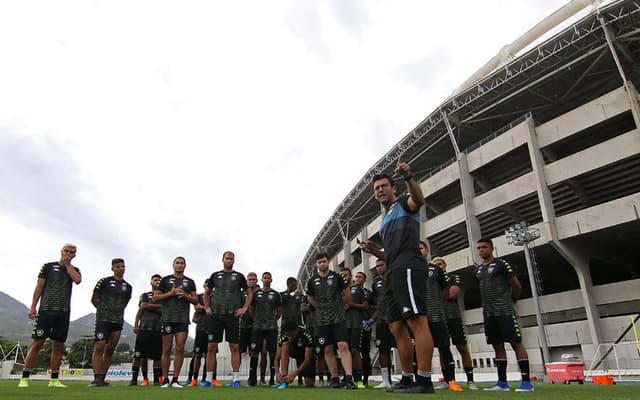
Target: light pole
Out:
[520,235]
[84,354]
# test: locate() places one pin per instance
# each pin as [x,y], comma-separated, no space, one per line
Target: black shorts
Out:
[439,333]
[51,324]
[331,334]
[227,324]
[201,343]
[245,339]
[103,330]
[258,336]
[310,370]
[365,348]
[405,293]
[502,328]
[384,339]
[355,338]
[456,330]
[148,345]
[170,329]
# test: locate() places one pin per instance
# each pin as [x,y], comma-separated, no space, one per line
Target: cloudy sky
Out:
[151,129]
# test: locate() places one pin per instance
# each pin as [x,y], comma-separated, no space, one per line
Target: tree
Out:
[81,352]
[122,347]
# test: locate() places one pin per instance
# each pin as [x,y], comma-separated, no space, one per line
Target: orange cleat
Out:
[194,382]
[145,382]
[215,383]
[454,386]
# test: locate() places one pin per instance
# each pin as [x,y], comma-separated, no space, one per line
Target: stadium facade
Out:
[551,138]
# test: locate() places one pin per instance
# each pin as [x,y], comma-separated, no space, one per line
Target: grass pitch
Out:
[120,391]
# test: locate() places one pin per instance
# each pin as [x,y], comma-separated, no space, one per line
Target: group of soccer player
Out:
[412,305]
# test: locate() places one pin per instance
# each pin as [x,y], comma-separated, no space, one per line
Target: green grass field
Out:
[120,391]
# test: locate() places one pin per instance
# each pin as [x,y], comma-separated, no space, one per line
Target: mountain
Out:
[83,326]
[16,324]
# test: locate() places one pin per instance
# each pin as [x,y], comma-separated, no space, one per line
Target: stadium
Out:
[549,137]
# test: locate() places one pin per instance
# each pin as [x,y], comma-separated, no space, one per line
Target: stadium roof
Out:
[574,66]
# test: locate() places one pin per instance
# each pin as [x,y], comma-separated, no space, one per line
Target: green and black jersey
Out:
[451,309]
[494,287]
[149,319]
[175,310]
[327,292]
[303,339]
[354,316]
[436,281]
[246,321]
[291,307]
[56,295]
[265,305]
[377,299]
[113,296]
[227,289]
[200,317]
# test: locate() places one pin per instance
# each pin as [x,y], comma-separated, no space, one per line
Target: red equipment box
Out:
[566,372]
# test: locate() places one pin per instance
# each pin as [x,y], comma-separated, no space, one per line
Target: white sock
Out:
[385,374]
[236,376]
[209,376]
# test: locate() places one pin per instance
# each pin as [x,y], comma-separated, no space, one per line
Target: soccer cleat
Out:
[205,384]
[145,382]
[500,386]
[216,383]
[251,382]
[360,385]
[525,386]
[454,386]
[236,384]
[283,385]
[24,382]
[415,388]
[176,385]
[334,384]
[472,386]
[161,380]
[442,386]
[383,385]
[133,383]
[348,383]
[194,382]
[400,386]
[56,383]
[165,385]
[186,383]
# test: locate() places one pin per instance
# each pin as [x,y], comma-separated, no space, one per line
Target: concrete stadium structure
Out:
[552,138]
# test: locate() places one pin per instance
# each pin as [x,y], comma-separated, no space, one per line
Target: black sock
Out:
[165,380]
[174,379]
[135,372]
[253,368]
[157,373]
[55,375]
[449,365]
[272,376]
[501,365]
[469,372]
[26,372]
[357,375]
[524,369]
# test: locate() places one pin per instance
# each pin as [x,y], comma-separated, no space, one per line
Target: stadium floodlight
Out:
[521,234]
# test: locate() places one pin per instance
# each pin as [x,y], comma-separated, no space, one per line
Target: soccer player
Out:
[437,290]
[110,297]
[53,291]
[454,322]
[225,304]
[354,317]
[200,344]
[266,309]
[365,349]
[384,338]
[295,342]
[405,289]
[328,292]
[246,322]
[148,337]
[500,289]
[176,292]
[292,303]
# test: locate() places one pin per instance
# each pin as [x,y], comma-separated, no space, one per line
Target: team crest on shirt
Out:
[271,296]
[234,277]
[253,346]
[321,340]
[210,338]
[490,269]
[124,288]
[378,341]
[330,281]
[430,272]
